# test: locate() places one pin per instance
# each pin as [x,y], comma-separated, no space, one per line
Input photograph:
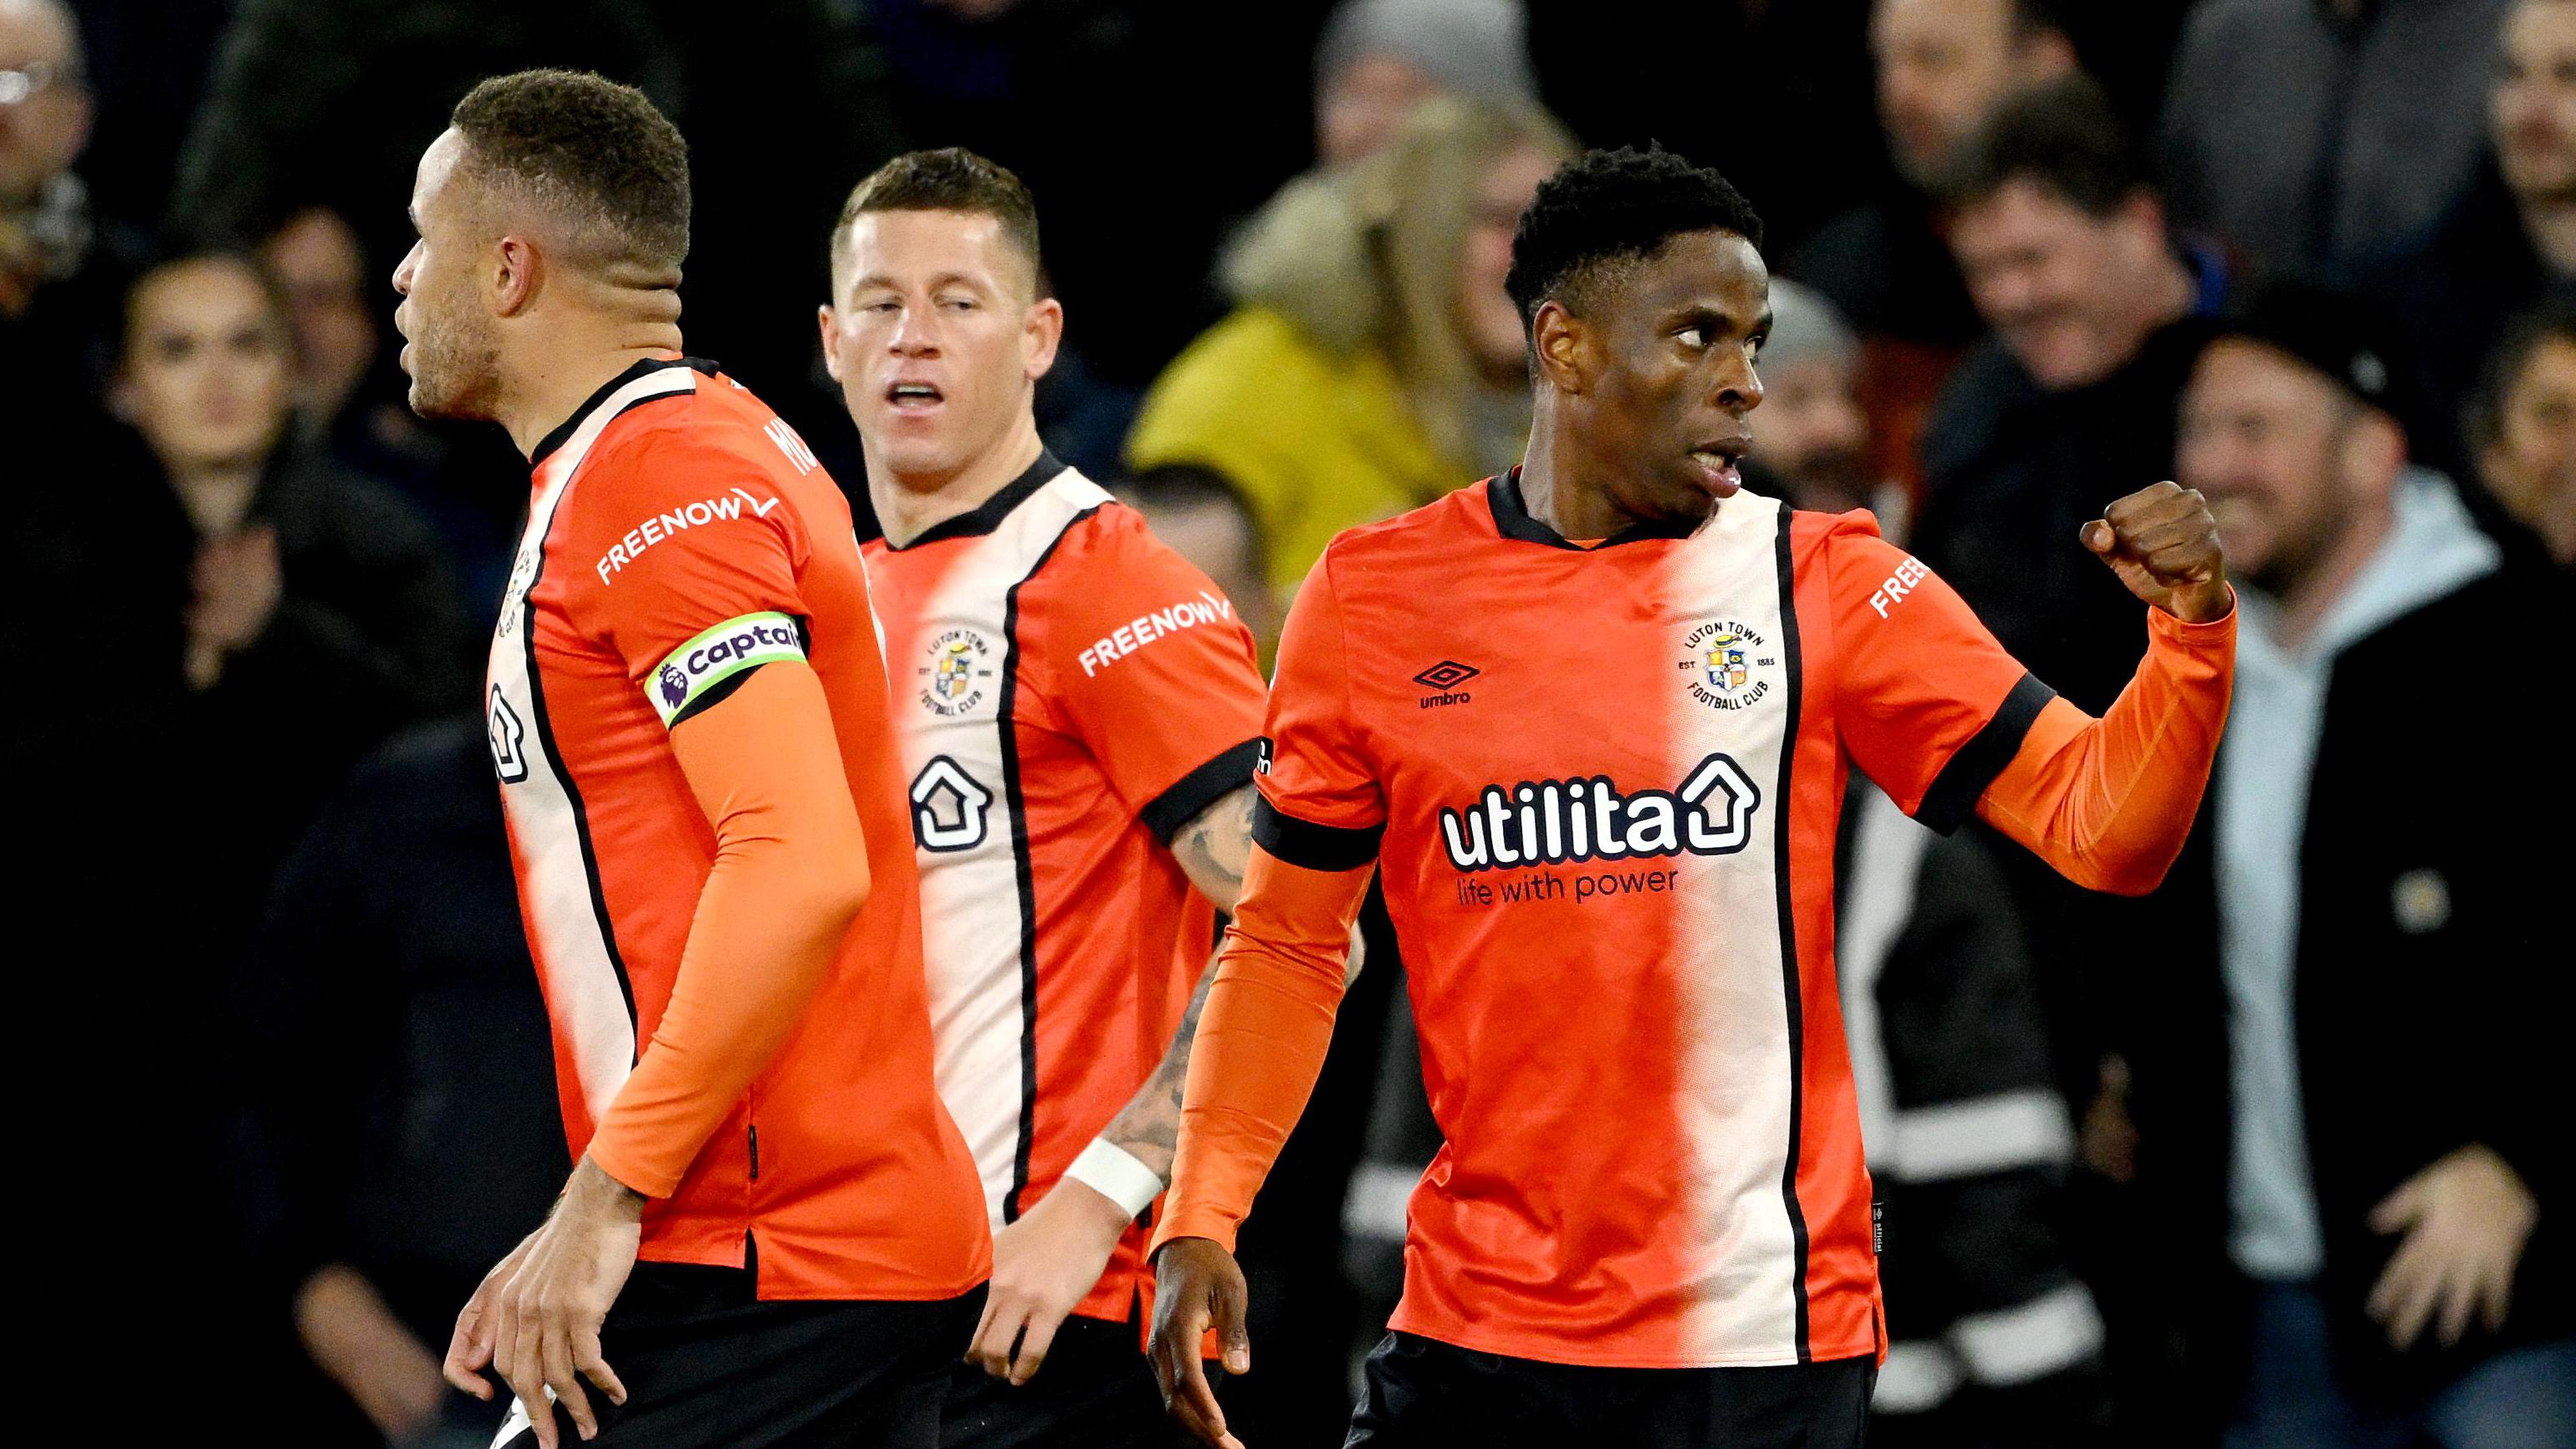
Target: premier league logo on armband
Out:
[675,686]
[1728,665]
[957,674]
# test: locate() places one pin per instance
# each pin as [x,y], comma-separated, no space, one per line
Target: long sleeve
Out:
[1261,1040]
[790,875]
[2108,802]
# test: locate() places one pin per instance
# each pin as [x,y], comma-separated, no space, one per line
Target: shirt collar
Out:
[564,430]
[986,516]
[1512,519]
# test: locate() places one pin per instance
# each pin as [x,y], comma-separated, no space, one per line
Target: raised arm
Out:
[2109,802]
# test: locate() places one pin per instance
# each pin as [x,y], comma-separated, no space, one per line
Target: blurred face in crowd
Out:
[2533,109]
[937,337]
[316,261]
[1492,322]
[1814,432]
[44,107]
[2531,461]
[451,347]
[1217,538]
[208,366]
[1364,103]
[2289,461]
[1943,65]
[2072,294]
[1663,367]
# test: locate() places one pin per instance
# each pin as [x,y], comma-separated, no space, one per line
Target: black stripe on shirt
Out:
[1024,876]
[1954,791]
[1166,813]
[1316,847]
[1792,988]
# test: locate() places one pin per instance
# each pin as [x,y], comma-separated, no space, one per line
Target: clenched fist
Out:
[2163,544]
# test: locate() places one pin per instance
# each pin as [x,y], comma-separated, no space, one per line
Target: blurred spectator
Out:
[310,579]
[400,1087]
[2523,427]
[330,102]
[1813,434]
[2512,239]
[2069,404]
[1374,361]
[349,403]
[1378,59]
[1206,518]
[56,306]
[2361,1183]
[2314,134]
[1943,66]
[1992,1339]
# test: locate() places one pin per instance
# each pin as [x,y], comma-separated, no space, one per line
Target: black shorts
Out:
[708,1366]
[1424,1392]
[1095,1391]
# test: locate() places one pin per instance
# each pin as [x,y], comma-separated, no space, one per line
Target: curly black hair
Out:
[1607,207]
[596,150]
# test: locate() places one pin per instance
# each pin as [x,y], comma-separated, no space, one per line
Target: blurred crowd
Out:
[2263,1158]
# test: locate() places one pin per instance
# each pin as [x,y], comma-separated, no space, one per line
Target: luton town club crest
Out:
[957,674]
[1728,665]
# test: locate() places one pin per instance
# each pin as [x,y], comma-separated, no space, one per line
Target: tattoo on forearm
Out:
[1216,846]
[1149,1127]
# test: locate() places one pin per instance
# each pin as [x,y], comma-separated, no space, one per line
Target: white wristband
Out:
[1114,1173]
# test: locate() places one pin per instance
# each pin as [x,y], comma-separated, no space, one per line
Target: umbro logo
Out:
[1445,676]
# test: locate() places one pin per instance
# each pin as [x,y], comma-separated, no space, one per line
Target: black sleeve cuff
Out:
[1166,813]
[1316,847]
[1954,791]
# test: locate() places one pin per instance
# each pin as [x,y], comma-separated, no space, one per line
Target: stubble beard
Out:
[455,373]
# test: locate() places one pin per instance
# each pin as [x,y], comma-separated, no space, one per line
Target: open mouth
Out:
[1717,463]
[913,397]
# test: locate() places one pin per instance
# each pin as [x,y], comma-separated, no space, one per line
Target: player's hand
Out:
[470,1348]
[546,1329]
[2163,544]
[1197,1287]
[2466,1219]
[1043,1265]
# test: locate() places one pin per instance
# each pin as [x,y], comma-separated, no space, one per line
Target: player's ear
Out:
[515,268]
[1563,347]
[830,322]
[1041,332]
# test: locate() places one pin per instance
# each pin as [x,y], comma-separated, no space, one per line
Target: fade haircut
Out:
[1605,211]
[2062,138]
[951,178]
[595,154]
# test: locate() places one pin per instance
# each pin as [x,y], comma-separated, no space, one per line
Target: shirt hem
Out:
[1573,1355]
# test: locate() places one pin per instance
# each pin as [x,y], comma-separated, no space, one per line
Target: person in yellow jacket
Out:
[1373,361]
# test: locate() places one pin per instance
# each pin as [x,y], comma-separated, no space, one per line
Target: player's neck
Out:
[911,505]
[544,392]
[1558,487]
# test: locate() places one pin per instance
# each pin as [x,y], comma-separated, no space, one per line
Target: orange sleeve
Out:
[1261,1040]
[790,875]
[1148,666]
[2108,802]
[1931,705]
